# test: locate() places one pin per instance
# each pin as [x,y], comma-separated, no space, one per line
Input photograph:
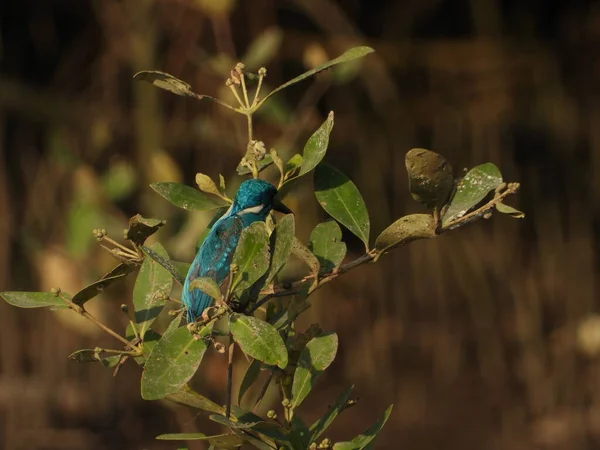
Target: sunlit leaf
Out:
[316,146]
[277,160]
[282,240]
[364,439]
[187,197]
[349,55]
[251,256]
[262,164]
[140,228]
[173,362]
[302,252]
[430,177]
[206,285]
[187,396]
[327,245]
[259,340]
[505,209]
[206,184]
[318,354]
[404,230]
[338,406]
[342,200]
[151,290]
[471,190]
[178,270]
[250,377]
[33,299]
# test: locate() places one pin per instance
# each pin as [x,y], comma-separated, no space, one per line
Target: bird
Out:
[253,202]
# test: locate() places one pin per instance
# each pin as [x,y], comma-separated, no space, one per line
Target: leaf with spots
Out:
[259,340]
[327,245]
[251,256]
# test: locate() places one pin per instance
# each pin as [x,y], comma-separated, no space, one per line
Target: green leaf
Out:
[300,435]
[222,420]
[342,200]
[316,146]
[178,270]
[349,55]
[188,436]
[404,230]
[294,163]
[251,256]
[250,377]
[140,228]
[430,177]
[264,48]
[269,429]
[93,355]
[206,285]
[302,252]
[91,291]
[471,190]
[173,362]
[327,245]
[187,197]
[33,299]
[187,396]
[363,440]
[206,184]
[338,406]
[259,340]
[282,240]
[151,290]
[318,354]
[505,209]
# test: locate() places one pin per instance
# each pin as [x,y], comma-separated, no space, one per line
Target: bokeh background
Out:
[485,338]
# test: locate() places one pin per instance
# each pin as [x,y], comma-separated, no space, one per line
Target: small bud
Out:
[271,414]
[258,150]
[313,446]
[55,291]
[262,72]
[124,308]
[487,215]
[233,268]
[191,327]
[285,403]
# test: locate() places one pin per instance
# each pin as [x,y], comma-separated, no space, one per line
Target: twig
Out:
[262,392]
[229,376]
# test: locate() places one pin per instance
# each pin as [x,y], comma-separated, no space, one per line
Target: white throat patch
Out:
[252,210]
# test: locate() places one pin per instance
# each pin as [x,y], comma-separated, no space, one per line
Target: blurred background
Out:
[486,338]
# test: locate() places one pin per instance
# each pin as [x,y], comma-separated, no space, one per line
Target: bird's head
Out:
[255,199]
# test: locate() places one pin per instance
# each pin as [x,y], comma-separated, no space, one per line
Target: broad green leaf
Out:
[187,197]
[250,377]
[430,177]
[338,406]
[259,340]
[251,256]
[94,289]
[175,323]
[290,167]
[263,49]
[151,290]
[206,184]
[505,209]
[140,228]
[316,146]
[302,252]
[282,240]
[178,270]
[33,299]
[300,435]
[318,354]
[404,230]
[471,190]
[327,245]
[342,200]
[364,439]
[349,55]
[187,396]
[206,285]
[173,362]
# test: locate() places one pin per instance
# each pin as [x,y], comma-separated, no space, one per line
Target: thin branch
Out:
[229,376]
[262,392]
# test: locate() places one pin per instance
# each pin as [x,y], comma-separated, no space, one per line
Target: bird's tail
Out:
[199,301]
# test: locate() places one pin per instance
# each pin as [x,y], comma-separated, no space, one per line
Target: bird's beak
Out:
[279,206]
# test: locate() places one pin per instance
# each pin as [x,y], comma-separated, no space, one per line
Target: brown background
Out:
[483,339]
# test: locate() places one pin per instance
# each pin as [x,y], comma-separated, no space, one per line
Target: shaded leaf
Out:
[140,228]
[251,256]
[281,240]
[404,230]
[302,252]
[363,440]
[250,377]
[505,209]
[33,299]
[300,435]
[430,177]
[342,200]
[93,355]
[269,429]
[178,270]
[187,396]
[338,406]
[294,163]
[327,245]
[349,55]
[220,419]
[206,285]
[316,146]
[190,437]
[151,290]
[263,48]
[471,190]
[91,291]
[173,362]
[187,197]
[318,354]
[259,340]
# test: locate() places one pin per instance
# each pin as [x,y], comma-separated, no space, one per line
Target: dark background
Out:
[485,338]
